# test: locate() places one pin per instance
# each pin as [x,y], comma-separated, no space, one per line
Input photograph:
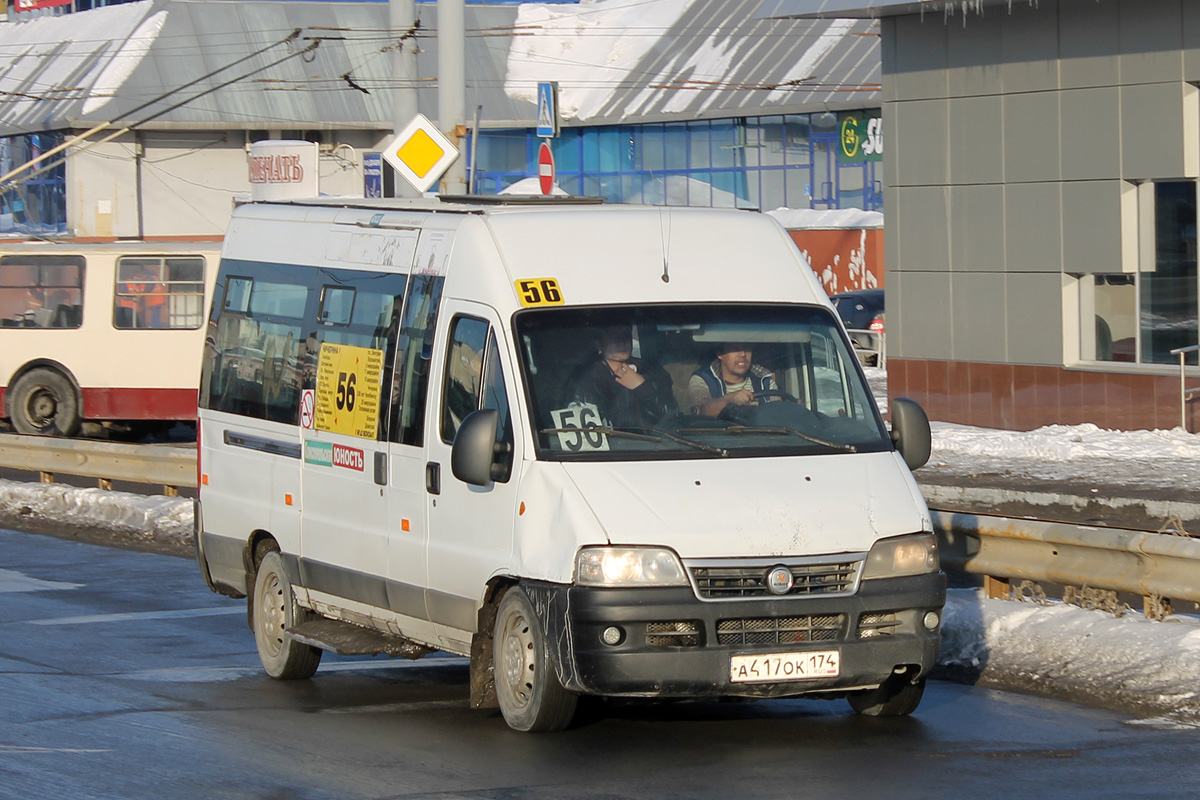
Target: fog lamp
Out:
[612,635]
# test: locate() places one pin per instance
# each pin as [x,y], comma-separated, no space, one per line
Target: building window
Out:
[35,204]
[1140,317]
[761,163]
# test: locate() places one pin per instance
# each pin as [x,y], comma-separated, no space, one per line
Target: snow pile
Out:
[1127,662]
[164,522]
[803,219]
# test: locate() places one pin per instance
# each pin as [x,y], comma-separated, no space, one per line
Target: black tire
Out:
[893,698]
[273,610]
[44,402]
[527,687]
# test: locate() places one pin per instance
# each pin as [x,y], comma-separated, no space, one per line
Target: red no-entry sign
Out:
[545,168]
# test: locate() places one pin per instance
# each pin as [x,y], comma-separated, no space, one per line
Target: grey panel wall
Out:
[1051,113]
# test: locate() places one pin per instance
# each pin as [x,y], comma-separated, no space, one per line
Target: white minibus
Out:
[107,334]
[598,450]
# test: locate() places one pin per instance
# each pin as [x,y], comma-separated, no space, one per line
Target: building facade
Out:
[1041,187]
[787,116]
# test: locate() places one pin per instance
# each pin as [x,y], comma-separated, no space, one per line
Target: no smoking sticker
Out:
[308,405]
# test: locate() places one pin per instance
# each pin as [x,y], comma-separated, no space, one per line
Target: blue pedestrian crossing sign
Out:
[547,121]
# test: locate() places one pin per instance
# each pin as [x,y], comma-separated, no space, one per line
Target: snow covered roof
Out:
[614,62]
[871,9]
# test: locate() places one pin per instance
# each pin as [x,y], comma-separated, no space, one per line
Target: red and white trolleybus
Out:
[106,333]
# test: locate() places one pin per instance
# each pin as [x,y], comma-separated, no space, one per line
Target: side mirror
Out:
[910,432]
[473,456]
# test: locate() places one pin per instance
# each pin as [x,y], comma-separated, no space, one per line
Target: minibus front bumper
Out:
[665,642]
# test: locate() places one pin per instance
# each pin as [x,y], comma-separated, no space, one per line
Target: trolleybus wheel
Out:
[43,402]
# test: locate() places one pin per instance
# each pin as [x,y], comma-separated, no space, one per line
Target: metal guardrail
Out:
[170,466]
[1153,565]
[1156,566]
[869,346]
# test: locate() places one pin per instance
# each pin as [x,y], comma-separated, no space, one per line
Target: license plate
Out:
[777,667]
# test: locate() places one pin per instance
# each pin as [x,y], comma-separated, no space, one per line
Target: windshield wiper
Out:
[847,448]
[608,430]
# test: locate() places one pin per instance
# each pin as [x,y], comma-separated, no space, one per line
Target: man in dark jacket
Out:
[628,392]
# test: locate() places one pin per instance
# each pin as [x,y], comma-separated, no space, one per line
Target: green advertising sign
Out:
[860,137]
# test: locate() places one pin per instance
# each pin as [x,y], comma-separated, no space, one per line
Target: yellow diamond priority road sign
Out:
[420,153]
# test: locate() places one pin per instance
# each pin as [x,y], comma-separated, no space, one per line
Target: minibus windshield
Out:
[693,381]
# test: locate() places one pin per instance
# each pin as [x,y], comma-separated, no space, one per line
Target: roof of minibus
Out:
[604,254]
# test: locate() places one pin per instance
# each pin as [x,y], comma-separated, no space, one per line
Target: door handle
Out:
[381,468]
[433,477]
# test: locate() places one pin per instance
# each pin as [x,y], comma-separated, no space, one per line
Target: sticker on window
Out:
[572,424]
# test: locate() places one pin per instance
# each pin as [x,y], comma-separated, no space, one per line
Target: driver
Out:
[732,379]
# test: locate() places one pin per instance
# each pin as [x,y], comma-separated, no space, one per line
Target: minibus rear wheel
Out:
[274,610]
[527,687]
[893,698]
[43,402]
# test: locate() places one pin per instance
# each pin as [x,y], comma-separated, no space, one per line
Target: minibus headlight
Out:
[629,566]
[902,555]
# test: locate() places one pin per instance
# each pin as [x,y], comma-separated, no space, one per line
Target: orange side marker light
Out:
[287,499]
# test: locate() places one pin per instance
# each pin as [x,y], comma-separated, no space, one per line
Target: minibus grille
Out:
[781,630]
[735,581]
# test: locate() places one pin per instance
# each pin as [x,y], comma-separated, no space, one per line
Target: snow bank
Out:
[1130,663]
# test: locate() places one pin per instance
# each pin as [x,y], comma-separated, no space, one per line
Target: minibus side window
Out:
[355,309]
[464,373]
[41,291]
[414,349]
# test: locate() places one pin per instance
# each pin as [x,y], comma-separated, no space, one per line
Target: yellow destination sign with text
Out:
[348,389]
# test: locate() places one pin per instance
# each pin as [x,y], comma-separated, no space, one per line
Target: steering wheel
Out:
[782,395]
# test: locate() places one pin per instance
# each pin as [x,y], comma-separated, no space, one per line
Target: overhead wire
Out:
[6,184]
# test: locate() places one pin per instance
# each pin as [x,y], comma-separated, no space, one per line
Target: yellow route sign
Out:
[348,387]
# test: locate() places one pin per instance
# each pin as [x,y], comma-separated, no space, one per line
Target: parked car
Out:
[862,312]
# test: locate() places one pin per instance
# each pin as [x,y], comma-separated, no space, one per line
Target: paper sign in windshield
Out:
[578,418]
[348,387]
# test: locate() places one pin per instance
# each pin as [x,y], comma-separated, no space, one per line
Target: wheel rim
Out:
[271,614]
[42,406]
[517,667]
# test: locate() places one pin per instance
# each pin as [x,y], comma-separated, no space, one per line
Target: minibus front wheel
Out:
[530,695]
[274,609]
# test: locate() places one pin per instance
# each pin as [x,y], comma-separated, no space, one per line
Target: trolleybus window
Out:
[159,292]
[41,291]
